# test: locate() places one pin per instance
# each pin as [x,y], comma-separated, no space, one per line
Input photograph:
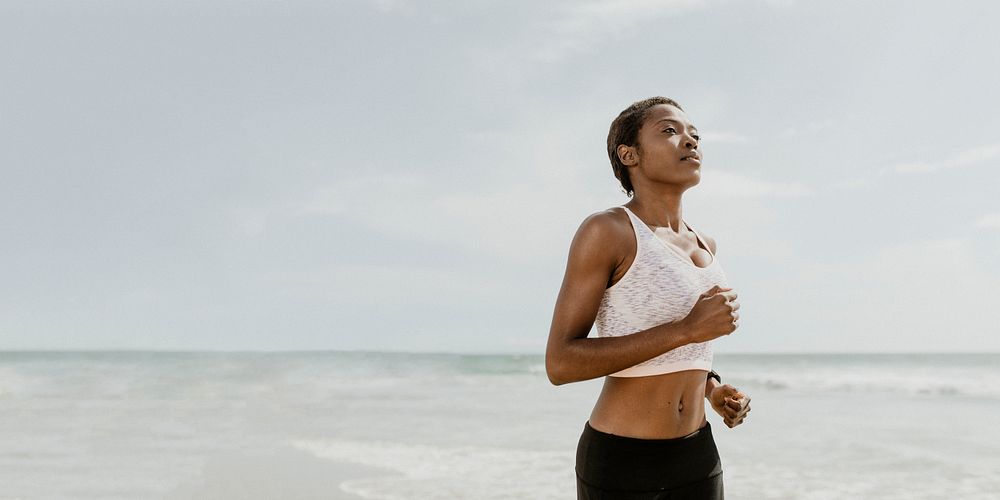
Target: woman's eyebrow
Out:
[692,127]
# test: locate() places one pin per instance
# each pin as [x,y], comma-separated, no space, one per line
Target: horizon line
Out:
[453,353]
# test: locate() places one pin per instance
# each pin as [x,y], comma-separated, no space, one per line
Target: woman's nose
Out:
[690,142]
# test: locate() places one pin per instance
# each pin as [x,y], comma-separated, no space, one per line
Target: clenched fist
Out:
[731,404]
[713,315]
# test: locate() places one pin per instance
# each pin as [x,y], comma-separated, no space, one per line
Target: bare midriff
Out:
[655,407]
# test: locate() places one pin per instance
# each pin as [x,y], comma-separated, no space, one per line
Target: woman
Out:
[658,296]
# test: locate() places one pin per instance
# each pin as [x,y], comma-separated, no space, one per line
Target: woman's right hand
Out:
[713,315]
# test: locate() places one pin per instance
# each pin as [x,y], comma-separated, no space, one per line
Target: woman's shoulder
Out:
[607,222]
[603,241]
[605,228]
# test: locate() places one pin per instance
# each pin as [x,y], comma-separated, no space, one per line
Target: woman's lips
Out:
[692,159]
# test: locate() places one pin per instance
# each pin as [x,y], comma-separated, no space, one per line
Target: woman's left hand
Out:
[731,404]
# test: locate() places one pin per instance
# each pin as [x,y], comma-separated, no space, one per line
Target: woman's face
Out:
[668,147]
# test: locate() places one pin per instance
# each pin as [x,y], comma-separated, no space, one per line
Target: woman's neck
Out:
[664,211]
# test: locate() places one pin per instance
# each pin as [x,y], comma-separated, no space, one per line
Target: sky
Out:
[407,176]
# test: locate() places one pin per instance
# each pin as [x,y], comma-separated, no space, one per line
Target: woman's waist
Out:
[653,407]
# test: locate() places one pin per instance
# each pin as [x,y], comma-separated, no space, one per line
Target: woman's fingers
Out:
[736,418]
[743,411]
[735,406]
[741,414]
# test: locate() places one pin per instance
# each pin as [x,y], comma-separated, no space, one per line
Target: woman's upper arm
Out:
[593,256]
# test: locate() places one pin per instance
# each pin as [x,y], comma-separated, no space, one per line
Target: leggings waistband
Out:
[625,463]
[699,435]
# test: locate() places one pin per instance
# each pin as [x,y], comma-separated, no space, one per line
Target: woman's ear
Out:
[628,155]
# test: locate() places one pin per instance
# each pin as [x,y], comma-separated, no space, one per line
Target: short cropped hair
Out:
[625,130]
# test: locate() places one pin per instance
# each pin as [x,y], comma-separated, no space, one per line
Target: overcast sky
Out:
[408,175]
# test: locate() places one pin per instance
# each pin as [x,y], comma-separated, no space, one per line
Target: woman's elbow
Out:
[554,376]
[555,369]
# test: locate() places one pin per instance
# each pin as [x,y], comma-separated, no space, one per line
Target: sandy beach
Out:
[262,474]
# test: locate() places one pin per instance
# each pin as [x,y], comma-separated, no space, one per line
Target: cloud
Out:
[555,31]
[529,208]
[930,295]
[581,25]
[525,220]
[355,194]
[811,127]
[388,284]
[726,184]
[392,6]
[515,221]
[971,156]
[989,220]
[724,138]
[964,158]
[913,168]
[855,183]
[974,155]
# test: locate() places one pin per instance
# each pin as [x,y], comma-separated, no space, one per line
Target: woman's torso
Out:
[659,406]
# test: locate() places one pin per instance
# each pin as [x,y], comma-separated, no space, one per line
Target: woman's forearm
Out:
[591,357]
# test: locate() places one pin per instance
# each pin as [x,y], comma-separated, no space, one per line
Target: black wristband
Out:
[714,375]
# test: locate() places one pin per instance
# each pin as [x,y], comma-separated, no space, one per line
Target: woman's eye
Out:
[671,130]
[696,137]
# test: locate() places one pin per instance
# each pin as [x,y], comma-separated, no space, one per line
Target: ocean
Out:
[376,425]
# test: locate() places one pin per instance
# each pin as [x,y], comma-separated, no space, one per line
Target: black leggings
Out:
[609,466]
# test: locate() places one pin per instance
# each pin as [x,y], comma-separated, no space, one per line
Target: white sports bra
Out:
[661,286]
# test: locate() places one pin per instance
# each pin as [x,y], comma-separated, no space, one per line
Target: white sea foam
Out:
[136,425]
[435,472]
[889,383]
[930,380]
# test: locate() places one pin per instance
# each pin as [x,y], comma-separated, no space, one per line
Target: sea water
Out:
[342,425]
